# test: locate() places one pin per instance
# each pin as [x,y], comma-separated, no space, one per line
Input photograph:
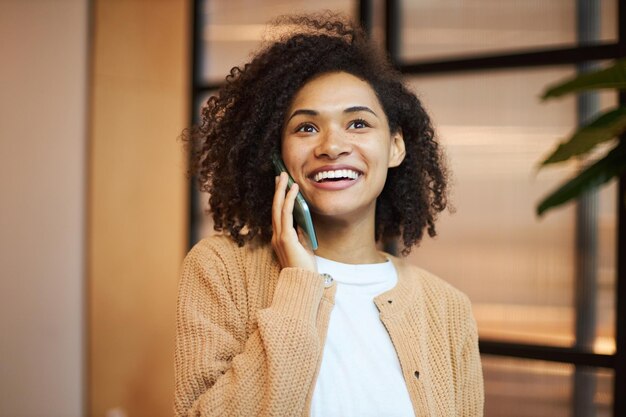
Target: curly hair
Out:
[241,127]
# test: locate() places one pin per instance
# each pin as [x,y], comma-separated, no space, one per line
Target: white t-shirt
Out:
[360,374]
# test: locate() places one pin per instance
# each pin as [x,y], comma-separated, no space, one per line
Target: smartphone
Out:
[301,211]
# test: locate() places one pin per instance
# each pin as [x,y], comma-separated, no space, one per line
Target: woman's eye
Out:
[306,128]
[358,124]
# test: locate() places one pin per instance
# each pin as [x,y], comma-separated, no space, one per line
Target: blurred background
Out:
[96,213]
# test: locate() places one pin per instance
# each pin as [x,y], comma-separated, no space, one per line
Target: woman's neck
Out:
[350,242]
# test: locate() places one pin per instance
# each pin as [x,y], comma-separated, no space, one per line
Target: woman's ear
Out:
[397,152]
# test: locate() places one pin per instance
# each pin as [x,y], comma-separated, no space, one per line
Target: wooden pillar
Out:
[137,203]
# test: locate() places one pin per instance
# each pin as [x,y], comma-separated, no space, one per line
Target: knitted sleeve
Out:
[221,370]
[469,387]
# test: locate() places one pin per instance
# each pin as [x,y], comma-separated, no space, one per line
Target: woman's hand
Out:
[290,246]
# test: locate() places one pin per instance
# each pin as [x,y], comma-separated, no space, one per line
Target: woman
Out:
[266,326]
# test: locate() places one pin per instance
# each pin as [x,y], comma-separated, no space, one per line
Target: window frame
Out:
[536,57]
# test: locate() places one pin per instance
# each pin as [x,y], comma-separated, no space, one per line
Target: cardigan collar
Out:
[406,292]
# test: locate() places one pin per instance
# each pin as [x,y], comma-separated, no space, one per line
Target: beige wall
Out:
[137,203]
[92,220]
[43,93]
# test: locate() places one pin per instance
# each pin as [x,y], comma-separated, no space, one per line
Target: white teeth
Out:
[338,173]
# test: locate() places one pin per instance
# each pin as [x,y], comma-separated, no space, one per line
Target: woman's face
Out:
[337,146]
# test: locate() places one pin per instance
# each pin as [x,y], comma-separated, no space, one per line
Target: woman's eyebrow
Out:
[355,109]
[302,111]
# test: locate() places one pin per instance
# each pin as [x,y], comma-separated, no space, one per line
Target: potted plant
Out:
[604,128]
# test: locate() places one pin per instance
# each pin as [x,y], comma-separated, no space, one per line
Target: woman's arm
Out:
[220,371]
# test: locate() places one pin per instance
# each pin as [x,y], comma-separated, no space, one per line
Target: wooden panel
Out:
[137,203]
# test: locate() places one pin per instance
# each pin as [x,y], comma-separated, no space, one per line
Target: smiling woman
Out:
[266,326]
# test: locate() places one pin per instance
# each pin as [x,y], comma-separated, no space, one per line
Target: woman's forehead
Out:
[335,91]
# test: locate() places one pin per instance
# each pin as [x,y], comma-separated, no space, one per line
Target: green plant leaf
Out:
[611,77]
[605,127]
[613,164]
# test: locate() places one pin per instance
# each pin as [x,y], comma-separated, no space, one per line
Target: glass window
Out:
[436,29]
[234,29]
[529,388]
[518,270]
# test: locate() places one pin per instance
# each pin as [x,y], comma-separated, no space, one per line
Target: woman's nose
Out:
[333,144]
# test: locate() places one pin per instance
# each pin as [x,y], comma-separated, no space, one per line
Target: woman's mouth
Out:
[335,178]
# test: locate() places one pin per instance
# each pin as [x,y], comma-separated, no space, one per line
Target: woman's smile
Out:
[335,177]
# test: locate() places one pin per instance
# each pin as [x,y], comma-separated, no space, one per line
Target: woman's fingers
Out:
[286,241]
[282,208]
[287,211]
[277,204]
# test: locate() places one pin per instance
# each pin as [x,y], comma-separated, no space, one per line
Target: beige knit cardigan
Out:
[250,336]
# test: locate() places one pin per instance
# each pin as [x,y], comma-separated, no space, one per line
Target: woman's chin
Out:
[340,213]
